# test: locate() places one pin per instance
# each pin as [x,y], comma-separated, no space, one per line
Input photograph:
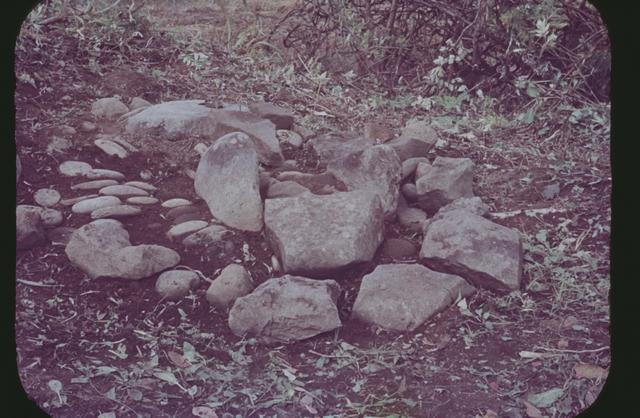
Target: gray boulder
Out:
[401,297]
[108,108]
[318,234]
[233,282]
[416,139]
[410,164]
[281,118]
[484,253]
[412,218]
[102,249]
[285,189]
[29,227]
[285,309]
[377,169]
[171,120]
[323,183]
[176,284]
[331,146]
[227,179]
[447,180]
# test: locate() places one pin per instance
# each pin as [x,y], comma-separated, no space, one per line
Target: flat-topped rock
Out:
[89,205]
[416,139]
[175,119]
[320,234]
[94,184]
[142,200]
[291,138]
[482,252]
[47,197]
[286,309]
[401,297]
[118,211]
[227,180]
[121,190]
[186,228]
[285,189]
[74,168]
[175,202]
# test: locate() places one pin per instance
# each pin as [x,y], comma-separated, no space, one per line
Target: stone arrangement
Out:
[315,224]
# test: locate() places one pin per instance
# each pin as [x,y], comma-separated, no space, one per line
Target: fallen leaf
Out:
[532,411]
[589,371]
[307,402]
[178,359]
[107,415]
[489,414]
[545,399]
[563,343]
[494,386]
[204,412]
[167,377]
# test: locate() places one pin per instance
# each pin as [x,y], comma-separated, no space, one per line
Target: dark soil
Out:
[100,338]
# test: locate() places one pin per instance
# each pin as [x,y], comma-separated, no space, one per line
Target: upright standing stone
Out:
[227,179]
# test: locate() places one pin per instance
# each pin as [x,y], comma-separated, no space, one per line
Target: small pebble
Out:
[122,190]
[89,205]
[74,200]
[101,173]
[111,148]
[146,175]
[186,228]
[142,200]
[74,168]
[47,197]
[119,211]
[142,185]
[51,217]
[94,184]
[174,203]
[87,126]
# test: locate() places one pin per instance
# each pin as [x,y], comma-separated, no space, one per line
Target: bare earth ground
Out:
[115,347]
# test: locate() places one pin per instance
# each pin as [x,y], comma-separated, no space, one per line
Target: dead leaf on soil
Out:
[590,371]
[489,414]
[545,399]
[204,412]
[178,359]
[532,411]
[307,402]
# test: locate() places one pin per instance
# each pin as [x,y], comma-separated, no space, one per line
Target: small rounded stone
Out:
[47,197]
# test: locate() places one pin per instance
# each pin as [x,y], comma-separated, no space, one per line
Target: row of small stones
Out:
[107,203]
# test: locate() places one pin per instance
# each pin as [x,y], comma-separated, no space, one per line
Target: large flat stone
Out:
[484,253]
[401,297]
[331,146]
[227,179]
[286,309]
[318,234]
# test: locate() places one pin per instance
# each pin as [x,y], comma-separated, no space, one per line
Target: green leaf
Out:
[532,90]
[55,386]
[546,399]
[167,377]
